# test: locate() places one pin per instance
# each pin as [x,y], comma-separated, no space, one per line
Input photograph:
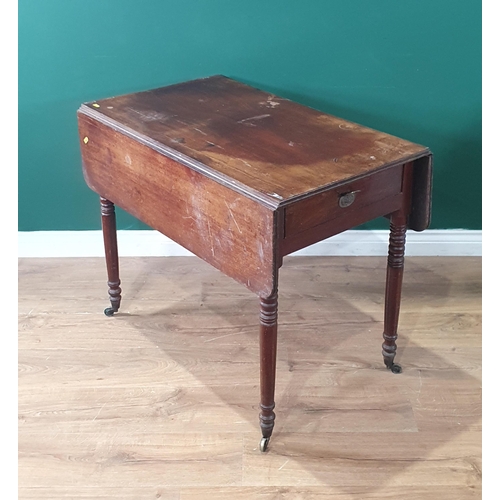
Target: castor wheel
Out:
[264,443]
[109,311]
[395,368]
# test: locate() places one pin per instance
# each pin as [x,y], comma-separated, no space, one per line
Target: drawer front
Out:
[349,198]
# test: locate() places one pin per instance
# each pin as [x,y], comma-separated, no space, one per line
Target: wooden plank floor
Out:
[161,401]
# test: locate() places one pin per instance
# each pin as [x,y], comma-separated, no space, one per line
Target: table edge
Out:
[262,198]
[175,155]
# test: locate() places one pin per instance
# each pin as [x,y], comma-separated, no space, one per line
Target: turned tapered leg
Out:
[111,250]
[268,343]
[395,266]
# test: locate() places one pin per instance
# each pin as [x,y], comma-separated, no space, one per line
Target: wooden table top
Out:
[272,148]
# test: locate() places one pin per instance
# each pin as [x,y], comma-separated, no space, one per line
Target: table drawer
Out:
[344,199]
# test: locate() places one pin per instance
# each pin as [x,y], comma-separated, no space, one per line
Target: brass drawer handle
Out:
[347,199]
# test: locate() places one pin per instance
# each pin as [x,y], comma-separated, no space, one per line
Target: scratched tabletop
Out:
[267,143]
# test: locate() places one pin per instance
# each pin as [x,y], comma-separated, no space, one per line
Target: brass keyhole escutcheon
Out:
[347,199]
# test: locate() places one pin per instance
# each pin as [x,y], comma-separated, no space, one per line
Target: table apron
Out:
[342,222]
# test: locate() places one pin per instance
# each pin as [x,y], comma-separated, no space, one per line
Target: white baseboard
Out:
[148,243]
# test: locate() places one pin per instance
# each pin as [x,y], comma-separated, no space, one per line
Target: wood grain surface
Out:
[232,232]
[161,400]
[270,146]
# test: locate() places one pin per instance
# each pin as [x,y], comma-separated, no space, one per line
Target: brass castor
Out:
[264,443]
[109,311]
[395,368]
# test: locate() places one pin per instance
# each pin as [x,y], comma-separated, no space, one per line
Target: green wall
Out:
[410,68]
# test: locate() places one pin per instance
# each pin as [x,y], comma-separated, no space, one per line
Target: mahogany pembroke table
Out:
[241,178]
